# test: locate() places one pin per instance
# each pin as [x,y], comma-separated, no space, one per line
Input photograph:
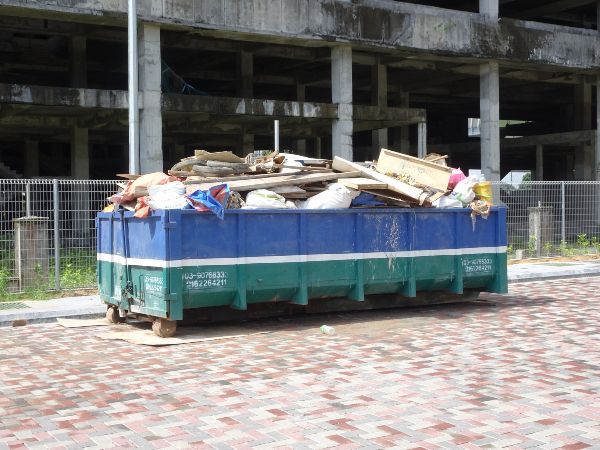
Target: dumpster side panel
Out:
[177,260]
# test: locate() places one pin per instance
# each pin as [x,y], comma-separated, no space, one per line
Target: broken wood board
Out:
[361,183]
[266,183]
[424,173]
[412,192]
[196,179]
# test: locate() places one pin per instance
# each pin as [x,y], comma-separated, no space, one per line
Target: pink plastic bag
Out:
[456,177]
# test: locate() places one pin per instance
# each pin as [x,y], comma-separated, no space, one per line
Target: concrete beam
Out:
[400,116]
[229,106]
[59,96]
[567,139]
[375,24]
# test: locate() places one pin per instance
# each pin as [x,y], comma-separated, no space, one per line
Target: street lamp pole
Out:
[132,63]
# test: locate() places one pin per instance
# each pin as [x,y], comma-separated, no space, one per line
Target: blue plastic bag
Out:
[366,199]
[214,200]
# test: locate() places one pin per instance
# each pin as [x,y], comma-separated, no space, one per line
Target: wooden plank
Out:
[195,179]
[362,183]
[423,173]
[266,183]
[412,192]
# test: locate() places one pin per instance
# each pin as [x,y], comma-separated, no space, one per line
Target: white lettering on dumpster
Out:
[199,280]
[153,284]
[478,265]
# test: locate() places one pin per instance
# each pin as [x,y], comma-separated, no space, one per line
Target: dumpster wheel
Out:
[112,315]
[163,327]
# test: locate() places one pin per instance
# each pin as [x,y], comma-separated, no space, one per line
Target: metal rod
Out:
[28,200]
[134,121]
[56,202]
[563,235]
[276,136]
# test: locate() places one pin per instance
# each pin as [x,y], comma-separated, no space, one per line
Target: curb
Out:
[37,317]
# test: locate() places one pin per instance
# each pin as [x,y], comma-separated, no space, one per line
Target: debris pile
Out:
[215,181]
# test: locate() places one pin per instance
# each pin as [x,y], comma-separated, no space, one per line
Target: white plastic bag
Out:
[167,196]
[447,201]
[264,199]
[464,190]
[336,196]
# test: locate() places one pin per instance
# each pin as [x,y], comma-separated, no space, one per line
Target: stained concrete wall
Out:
[375,23]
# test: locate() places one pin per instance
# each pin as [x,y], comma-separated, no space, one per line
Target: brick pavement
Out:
[518,371]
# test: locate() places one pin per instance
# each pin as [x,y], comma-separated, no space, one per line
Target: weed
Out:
[583,241]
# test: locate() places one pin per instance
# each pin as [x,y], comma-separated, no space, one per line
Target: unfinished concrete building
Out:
[343,77]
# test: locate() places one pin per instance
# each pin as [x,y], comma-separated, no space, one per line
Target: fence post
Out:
[563,235]
[56,202]
[27,200]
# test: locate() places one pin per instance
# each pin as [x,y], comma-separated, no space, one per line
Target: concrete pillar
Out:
[151,154]
[539,162]
[79,202]
[341,93]
[78,61]
[379,98]
[245,89]
[489,9]
[179,152]
[489,106]
[318,150]
[32,159]
[583,121]
[245,74]
[32,252]
[246,142]
[597,143]
[80,153]
[301,97]
[421,139]
[405,130]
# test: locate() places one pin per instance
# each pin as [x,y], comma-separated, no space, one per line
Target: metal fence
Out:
[48,235]
[549,218]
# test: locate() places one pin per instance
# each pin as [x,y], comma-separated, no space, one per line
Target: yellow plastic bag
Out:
[483,191]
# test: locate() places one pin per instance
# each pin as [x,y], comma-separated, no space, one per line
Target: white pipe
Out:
[276,136]
[132,62]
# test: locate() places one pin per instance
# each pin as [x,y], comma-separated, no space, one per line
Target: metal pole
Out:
[56,202]
[276,125]
[134,121]
[563,235]
[28,200]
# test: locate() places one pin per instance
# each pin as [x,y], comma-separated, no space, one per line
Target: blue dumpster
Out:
[178,260]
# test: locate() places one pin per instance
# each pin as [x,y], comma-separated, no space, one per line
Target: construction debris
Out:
[215,181]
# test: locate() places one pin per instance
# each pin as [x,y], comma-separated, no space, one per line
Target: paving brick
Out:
[510,371]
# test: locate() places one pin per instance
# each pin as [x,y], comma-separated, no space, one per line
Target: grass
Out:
[77,277]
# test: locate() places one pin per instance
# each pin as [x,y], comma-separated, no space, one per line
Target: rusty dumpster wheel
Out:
[112,315]
[164,328]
